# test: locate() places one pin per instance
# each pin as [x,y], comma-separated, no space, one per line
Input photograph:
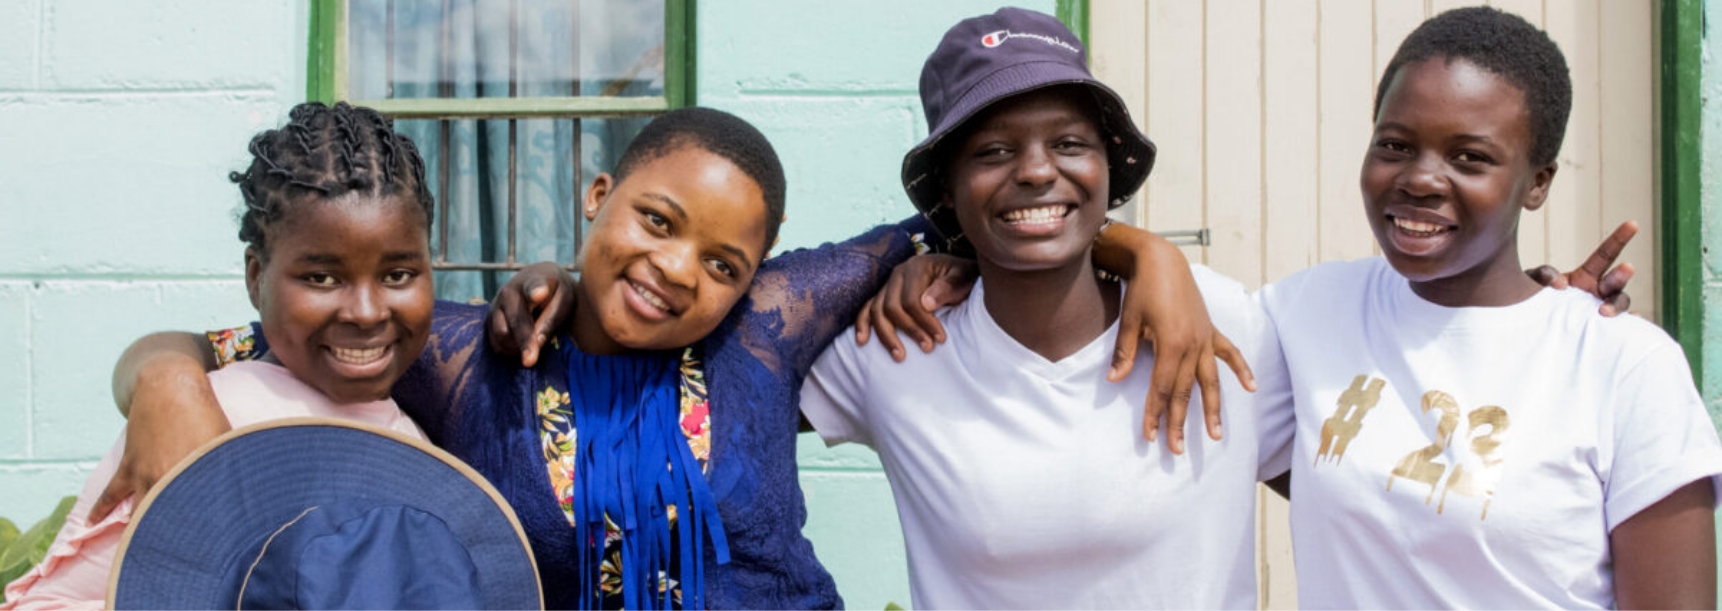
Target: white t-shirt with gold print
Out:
[1473,457]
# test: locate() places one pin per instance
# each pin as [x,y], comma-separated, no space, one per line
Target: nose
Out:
[363,305]
[679,263]
[1035,166]
[1423,177]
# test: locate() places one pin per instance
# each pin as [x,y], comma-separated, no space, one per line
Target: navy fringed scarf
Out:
[626,411]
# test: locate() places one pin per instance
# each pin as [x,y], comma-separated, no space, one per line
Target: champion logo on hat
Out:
[994,39]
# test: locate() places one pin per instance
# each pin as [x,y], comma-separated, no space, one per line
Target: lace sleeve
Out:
[802,299]
[430,390]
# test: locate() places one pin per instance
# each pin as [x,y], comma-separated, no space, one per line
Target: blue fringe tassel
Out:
[632,463]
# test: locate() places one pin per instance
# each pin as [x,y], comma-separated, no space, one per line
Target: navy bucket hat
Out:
[984,59]
[318,513]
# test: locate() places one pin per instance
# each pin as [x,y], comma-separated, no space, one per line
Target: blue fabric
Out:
[389,526]
[482,409]
[359,556]
[625,410]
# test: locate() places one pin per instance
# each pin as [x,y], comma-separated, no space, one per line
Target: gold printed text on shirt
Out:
[1347,419]
[1479,481]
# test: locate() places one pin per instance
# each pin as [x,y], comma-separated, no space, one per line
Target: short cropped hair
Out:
[1507,46]
[722,134]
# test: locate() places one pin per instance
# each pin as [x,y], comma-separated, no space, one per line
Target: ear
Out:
[597,194]
[254,277]
[1540,186]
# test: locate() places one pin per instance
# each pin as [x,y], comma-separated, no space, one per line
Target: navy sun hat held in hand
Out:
[984,59]
[319,513]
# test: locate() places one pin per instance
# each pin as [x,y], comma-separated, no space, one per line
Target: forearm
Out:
[173,362]
[1665,555]
[1122,249]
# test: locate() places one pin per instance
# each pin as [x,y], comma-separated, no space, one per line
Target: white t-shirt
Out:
[1025,483]
[1473,457]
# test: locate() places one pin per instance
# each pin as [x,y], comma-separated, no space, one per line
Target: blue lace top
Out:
[484,409]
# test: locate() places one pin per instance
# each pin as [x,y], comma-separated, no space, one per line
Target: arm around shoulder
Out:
[175,358]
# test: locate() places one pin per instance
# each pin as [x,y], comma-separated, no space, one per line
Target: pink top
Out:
[74,575]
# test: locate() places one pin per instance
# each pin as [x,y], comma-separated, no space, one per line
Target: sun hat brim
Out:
[205,520]
[1130,154]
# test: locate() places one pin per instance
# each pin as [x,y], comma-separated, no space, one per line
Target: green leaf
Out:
[8,532]
[28,549]
[892,606]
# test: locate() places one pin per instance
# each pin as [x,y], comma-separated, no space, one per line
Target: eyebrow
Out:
[1394,125]
[668,201]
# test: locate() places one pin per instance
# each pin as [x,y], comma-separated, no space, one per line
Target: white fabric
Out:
[1024,483]
[1600,421]
[74,573]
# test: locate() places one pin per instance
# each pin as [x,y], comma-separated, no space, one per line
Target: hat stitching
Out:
[239,602]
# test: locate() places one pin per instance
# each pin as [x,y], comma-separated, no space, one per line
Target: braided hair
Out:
[326,152]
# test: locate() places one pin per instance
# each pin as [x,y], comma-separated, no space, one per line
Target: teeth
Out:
[1043,214]
[650,297]
[1417,227]
[359,356]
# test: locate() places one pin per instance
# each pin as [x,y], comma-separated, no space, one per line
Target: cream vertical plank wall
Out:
[1262,110]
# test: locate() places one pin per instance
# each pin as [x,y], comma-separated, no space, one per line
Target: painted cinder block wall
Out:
[119,122]
[1711,197]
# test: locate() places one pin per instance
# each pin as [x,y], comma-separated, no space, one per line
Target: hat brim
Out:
[1130,154]
[203,521]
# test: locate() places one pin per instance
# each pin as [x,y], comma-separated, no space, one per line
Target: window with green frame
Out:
[514,104]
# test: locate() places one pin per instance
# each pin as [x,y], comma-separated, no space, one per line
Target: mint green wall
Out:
[1710,189]
[120,121]
[1711,196]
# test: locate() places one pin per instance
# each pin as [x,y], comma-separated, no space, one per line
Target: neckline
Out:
[1411,308]
[1004,353]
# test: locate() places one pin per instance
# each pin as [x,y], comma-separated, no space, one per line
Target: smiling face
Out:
[671,249]
[344,293]
[1445,177]
[1028,179]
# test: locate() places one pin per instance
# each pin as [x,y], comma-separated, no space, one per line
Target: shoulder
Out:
[1623,342]
[1328,280]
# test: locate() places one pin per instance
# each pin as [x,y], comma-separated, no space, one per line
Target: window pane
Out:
[504,48]
[468,165]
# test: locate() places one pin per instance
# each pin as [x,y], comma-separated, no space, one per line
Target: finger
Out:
[926,323]
[1612,290]
[1208,379]
[899,306]
[537,291]
[864,322]
[1548,276]
[1614,282]
[1160,382]
[1600,259]
[1226,351]
[1180,408]
[555,308]
[1124,352]
[118,489]
[887,334]
[499,332]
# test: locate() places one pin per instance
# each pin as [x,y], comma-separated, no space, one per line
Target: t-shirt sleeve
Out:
[1663,437]
[1276,408]
[1241,317]
[834,398]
